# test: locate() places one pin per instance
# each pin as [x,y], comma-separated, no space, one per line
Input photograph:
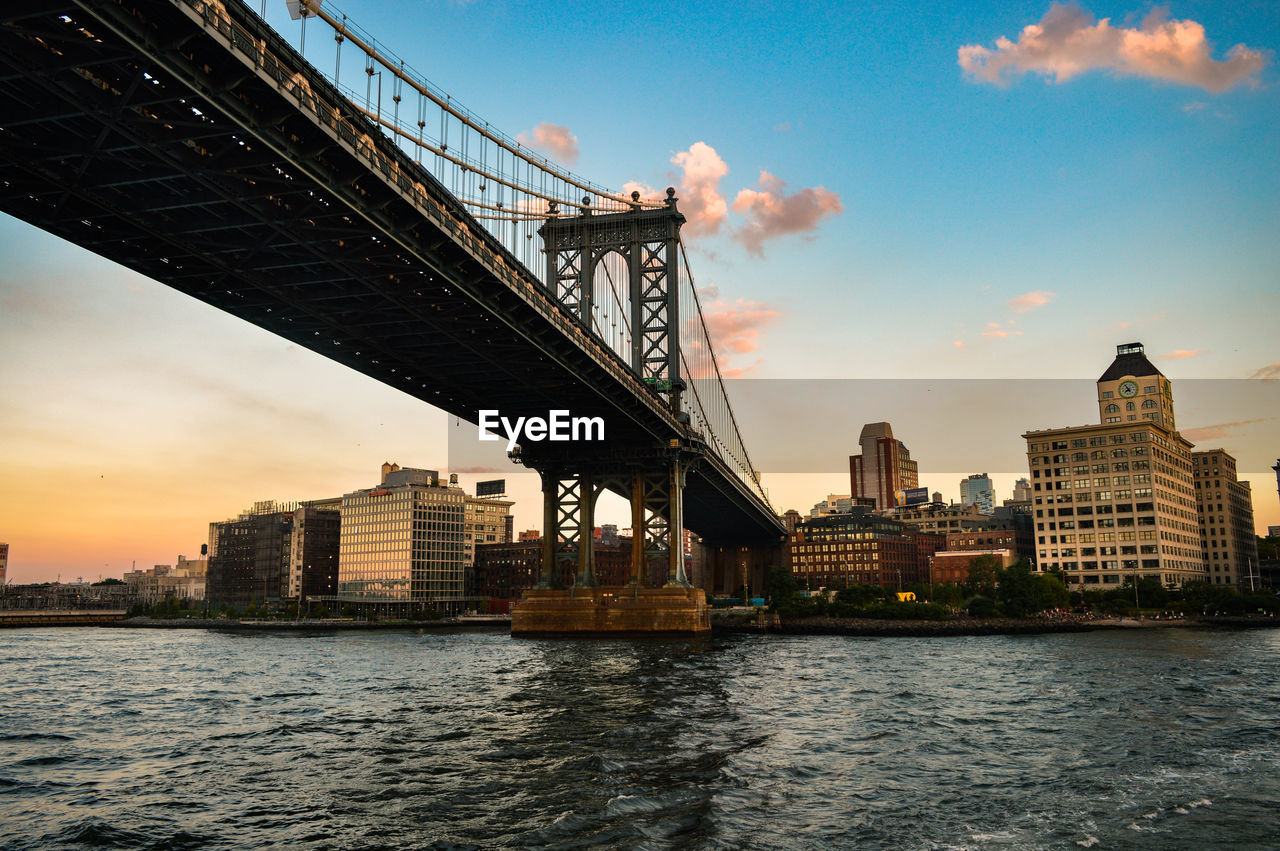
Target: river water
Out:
[191,739]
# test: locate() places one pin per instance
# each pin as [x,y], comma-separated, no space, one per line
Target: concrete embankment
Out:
[313,625]
[969,626]
[60,617]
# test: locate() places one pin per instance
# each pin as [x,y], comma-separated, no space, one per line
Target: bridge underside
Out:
[133,129]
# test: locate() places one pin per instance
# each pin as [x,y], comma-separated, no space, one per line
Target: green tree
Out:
[861,595]
[983,572]
[779,587]
[1151,592]
[1022,592]
[982,607]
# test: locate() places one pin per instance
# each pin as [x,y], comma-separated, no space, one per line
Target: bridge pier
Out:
[656,485]
[732,570]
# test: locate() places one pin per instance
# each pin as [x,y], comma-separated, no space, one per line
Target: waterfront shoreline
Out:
[303,625]
[975,626]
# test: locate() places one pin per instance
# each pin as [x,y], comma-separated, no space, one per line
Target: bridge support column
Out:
[676,577]
[550,492]
[586,530]
[639,564]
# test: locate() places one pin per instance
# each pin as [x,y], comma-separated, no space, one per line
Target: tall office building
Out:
[1118,499]
[977,490]
[883,468]
[313,552]
[249,556]
[4,565]
[401,544]
[1022,490]
[1225,505]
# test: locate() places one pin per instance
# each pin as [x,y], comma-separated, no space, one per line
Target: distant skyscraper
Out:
[883,468]
[977,490]
[4,564]
[1225,505]
[1022,490]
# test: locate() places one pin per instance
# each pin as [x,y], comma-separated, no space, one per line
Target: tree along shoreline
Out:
[962,626]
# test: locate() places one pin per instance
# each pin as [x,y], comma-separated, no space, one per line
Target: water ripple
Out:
[121,739]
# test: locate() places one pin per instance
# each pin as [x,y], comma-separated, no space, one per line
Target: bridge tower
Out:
[648,241]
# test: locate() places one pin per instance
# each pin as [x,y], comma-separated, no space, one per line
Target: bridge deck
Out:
[142,131]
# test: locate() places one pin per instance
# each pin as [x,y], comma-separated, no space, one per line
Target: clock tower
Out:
[1133,390]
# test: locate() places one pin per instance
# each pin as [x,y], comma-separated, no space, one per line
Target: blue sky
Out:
[1128,206]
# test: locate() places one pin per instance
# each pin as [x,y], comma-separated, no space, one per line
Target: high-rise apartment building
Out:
[1118,499]
[978,491]
[401,544]
[1225,504]
[884,467]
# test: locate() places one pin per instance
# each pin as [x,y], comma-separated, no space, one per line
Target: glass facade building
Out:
[402,544]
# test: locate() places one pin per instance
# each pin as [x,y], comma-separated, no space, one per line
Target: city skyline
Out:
[971,214]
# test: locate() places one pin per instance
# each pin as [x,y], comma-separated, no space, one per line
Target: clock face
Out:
[1128,388]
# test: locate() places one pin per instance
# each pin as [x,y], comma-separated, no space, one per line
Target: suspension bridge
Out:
[361,212]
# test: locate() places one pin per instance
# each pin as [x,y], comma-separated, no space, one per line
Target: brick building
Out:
[860,548]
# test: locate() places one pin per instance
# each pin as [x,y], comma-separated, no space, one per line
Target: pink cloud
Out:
[1068,41]
[1030,301]
[1181,354]
[772,213]
[995,330]
[740,371]
[555,139]
[1219,431]
[958,344]
[1270,372]
[735,328]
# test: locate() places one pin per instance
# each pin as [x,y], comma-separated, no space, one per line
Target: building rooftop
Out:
[1130,360]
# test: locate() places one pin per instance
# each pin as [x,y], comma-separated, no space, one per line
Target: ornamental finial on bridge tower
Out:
[553,208]
[635,199]
[586,205]
[671,197]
